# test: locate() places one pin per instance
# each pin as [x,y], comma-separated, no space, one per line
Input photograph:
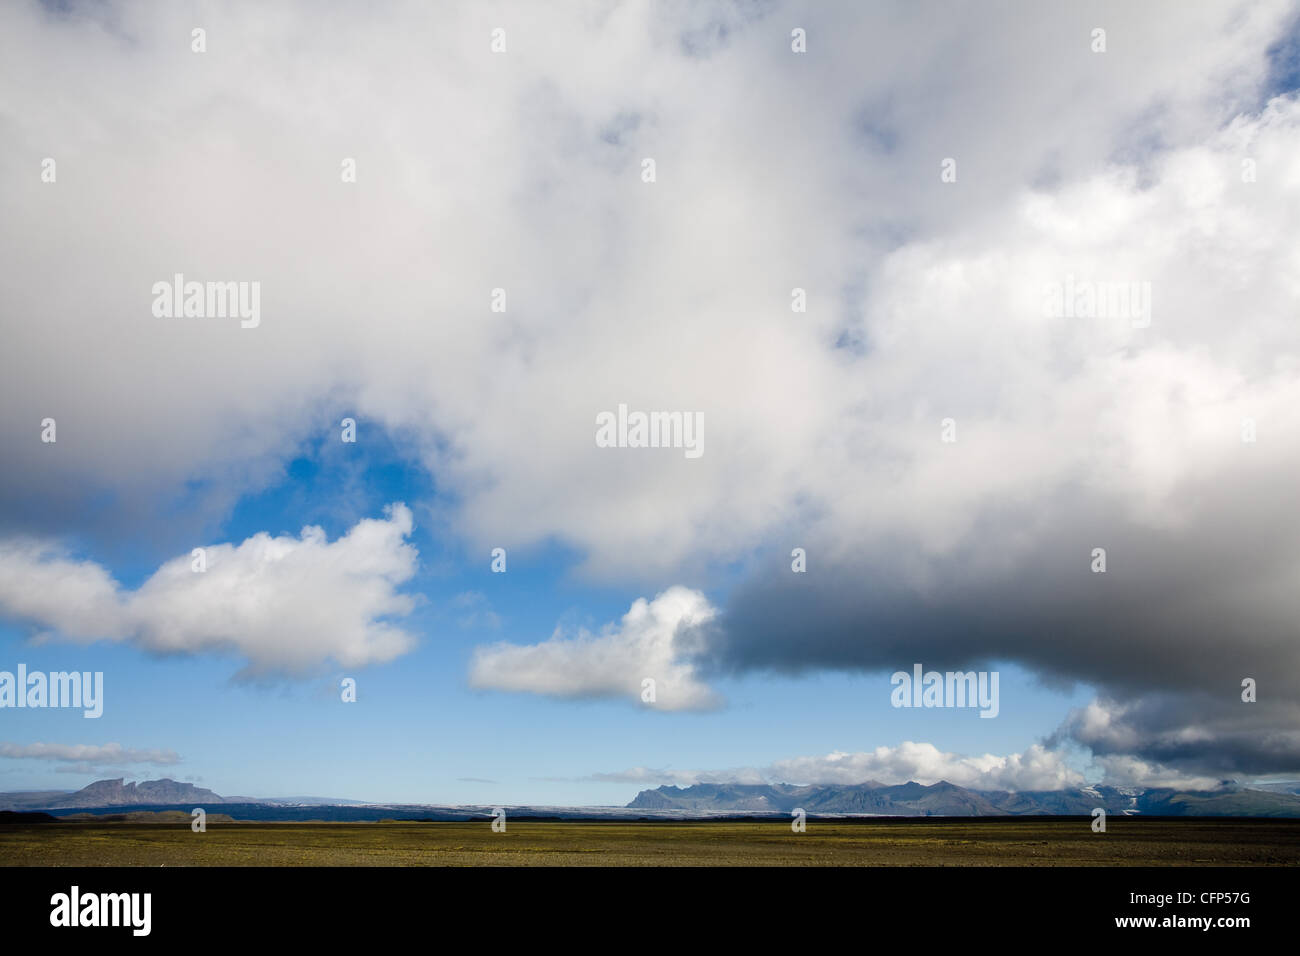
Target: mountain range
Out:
[949,800]
[705,800]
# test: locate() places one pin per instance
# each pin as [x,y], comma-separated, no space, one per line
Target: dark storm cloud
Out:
[1180,617]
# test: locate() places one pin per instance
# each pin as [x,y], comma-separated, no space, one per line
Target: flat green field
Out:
[1127,842]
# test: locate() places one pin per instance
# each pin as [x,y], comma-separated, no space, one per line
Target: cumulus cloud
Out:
[1037,768]
[653,641]
[1122,770]
[1177,736]
[88,754]
[284,604]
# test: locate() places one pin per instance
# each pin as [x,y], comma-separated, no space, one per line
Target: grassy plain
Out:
[1000,842]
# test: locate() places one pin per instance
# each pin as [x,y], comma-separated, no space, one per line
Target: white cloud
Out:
[87,753]
[650,642]
[1035,769]
[285,604]
[1122,770]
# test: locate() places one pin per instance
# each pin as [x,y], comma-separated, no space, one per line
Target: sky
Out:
[958,294]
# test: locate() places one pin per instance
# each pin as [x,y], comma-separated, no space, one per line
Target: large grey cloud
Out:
[520,170]
[1077,435]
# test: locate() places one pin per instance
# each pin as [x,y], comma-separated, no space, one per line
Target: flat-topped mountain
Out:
[116,793]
